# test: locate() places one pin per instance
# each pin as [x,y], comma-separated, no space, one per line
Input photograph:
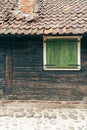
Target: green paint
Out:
[61,53]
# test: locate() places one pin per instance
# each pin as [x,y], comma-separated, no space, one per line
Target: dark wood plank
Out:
[9,83]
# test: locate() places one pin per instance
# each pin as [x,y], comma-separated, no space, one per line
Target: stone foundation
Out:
[42,115]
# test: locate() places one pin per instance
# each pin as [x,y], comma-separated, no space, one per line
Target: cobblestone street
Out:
[42,116]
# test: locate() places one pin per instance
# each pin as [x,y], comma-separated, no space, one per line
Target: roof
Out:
[52,17]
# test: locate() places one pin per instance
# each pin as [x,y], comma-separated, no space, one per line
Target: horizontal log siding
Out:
[30,81]
[2,66]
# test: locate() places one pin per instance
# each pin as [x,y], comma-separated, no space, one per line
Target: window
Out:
[62,53]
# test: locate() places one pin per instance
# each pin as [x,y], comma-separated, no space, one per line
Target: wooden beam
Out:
[9,83]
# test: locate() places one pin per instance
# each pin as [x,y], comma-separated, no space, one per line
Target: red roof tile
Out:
[52,17]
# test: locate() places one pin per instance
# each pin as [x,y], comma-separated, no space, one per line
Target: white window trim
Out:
[62,37]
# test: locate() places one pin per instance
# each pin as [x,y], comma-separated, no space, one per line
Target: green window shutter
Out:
[61,53]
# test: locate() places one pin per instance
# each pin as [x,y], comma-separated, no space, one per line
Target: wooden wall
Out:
[2,67]
[30,81]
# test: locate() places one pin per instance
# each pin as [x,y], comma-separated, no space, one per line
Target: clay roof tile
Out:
[52,17]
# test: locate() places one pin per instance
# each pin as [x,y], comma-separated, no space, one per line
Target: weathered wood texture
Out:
[8,71]
[30,81]
[2,67]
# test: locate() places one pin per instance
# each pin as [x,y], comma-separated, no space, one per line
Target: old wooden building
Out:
[43,49]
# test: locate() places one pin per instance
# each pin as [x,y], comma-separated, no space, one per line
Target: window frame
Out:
[62,37]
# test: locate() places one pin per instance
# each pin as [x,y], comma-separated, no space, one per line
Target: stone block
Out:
[38,115]
[30,113]
[53,115]
[20,115]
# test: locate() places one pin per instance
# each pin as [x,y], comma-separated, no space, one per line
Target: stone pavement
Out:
[26,115]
